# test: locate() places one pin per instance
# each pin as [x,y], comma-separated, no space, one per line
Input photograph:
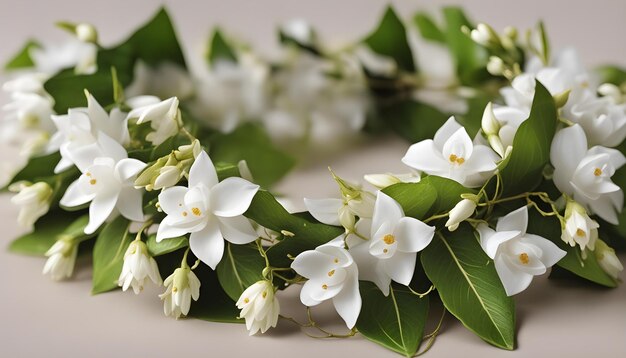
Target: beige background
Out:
[40,318]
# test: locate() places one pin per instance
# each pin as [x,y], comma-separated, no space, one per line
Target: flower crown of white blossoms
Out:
[524,171]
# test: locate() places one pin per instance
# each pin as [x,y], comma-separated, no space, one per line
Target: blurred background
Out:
[43,318]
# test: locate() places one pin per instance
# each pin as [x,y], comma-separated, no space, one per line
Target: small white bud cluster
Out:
[169,170]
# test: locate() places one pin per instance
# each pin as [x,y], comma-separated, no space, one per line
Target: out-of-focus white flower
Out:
[232,93]
[391,252]
[518,255]
[377,65]
[34,202]
[138,265]
[86,33]
[164,81]
[259,307]
[495,66]
[182,286]
[459,213]
[164,117]
[210,210]
[579,228]
[79,130]
[61,259]
[451,154]
[482,34]
[333,275]
[52,58]
[585,174]
[106,182]
[299,30]
[382,181]
[608,260]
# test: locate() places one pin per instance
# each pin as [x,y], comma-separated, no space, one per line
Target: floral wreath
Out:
[166,171]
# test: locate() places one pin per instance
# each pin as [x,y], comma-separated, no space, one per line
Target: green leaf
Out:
[220,49]
[390,39]
[214,304]
[469,286]
[166,246]
[448,193]
[472,119]
[22,59]
[249,142]
[396,322]
[108,255]
[470,58]
[428,29]
[37,167]
[413,120]
[531,145]
[267,212]
[67,89]
[612,74]
[46,232]
[240,267]
[416,199]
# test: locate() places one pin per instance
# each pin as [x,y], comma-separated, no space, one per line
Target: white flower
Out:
[459,213]
[138,265]
[232,92]
[332,274]
[164,81]
[79,130]
[481,34]
[391,251]
[210,210]
[30,110]
[451,154]
[495,66]
[86,33]
[299,30]
[164,117]
[106,182]
[518,255]
[182,286]
[259,307]
[342,212]
[579,228]
[61,259]
[585,174]
[608,260]
[509,120]
[34,202]
[53,58]
[375,63]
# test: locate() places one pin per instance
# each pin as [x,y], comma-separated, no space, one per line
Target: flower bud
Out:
[138,265]
[381,181]
[34,202]
[496,144]
[61,259]
[579,228]
[495,66]
[608,260]
[86,33]
[346,218]
[182,286]
[482,34]
[168,177]
[259,307]
[561,99]
[611,91]
[489,122]
[461,211]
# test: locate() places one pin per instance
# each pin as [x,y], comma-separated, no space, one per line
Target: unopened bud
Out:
[561,99]
[489,122]
[495,66]
[86,33]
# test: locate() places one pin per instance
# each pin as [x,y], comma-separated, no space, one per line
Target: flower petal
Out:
[445,132]
[202,171]
[308,291]
[400,267]
[425,156]
[129,203]
[171,200]
[568,148]
[514,282]
[369,269]
[386,210]
[100,209]
[208,244]
[325,210]
[232,197]
[237,229]
[413,235]
[168,229]
[128,168]
[490,240]
[312,264]
[550,253]
[514,221]
[348,301]
[75,196]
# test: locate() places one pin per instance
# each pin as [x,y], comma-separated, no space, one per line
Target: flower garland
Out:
[523,172]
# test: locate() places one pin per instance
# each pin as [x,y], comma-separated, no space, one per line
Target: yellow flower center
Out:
[325,286]
[597,172]
[93,181]
[523,258]
[389,239]
[246,300]
[454,159]
[336,261]
[196,211]
[184,213]
[580,232]
[331,273]
[264,294]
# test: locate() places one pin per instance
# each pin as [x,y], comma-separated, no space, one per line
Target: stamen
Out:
[325,286]
[597,172]
[246,300]
[331,273]
[389,239]
[93,181]
[580,232]
[196,211]
[523,258]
